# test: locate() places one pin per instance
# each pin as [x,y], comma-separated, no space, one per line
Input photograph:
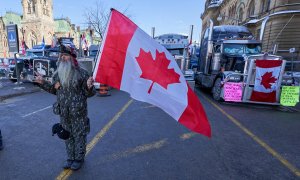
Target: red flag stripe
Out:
[193,117]
[120,32]
[263,97]
[268,63]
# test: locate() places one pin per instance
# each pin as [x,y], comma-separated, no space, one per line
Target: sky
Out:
[167,16]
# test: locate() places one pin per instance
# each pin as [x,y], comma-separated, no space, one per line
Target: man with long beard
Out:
[72,85]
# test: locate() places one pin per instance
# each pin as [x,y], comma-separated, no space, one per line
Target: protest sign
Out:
[233,91]
[289,95]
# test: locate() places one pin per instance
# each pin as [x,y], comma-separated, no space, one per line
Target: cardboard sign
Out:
[233,91]
[289,95]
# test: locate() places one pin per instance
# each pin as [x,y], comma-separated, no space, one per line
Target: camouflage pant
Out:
[76,144]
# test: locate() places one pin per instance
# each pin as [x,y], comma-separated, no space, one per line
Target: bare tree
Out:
[97,17]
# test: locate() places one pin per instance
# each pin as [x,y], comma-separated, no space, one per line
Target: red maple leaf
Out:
[156,69]
[267,79]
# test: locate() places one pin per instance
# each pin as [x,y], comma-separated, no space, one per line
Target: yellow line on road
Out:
[259,141]
[66,173]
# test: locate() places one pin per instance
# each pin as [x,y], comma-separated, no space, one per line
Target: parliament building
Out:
[36,23]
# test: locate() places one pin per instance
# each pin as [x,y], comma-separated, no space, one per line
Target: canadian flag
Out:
[266,80]
[130,60]
[84,41]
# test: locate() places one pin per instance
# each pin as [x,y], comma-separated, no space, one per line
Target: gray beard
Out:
[65,73]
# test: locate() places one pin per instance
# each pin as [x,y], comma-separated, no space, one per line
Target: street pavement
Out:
[134,140]
[9,89]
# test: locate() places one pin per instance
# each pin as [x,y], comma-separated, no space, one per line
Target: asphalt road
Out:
[134,140]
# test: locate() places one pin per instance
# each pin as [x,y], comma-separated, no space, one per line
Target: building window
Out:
[241,14]
[5,42]
[29,8]
[1,43]
[232,11]
[265,6]
[268,5]
[251,9]
[33,39]
[33,7]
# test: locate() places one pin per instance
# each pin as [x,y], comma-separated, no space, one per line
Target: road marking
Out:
[259,141]
[66,173]
[147,147]
[143,148]
[37,111]
[187,136]
[146,107]
[137,149]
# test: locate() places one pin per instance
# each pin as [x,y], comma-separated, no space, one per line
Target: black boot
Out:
[68,164]
[77,164]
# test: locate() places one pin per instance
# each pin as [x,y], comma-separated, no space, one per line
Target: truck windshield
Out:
[253,48]
[34,54]
[240,49]
[234,49]
[176,51]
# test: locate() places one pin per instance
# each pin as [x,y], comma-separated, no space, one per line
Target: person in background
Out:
[1,143]
[72,85]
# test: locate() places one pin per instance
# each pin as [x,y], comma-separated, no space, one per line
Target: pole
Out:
[153,32]
[80,46]
[187,58]
[17,69]
[91,35]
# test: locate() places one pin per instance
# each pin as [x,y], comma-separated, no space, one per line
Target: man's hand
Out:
[90,82]
[39,78]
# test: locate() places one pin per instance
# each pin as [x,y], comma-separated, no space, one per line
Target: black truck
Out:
[223,51]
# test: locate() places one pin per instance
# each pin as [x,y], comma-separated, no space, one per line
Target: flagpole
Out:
[187,58]
[102,44]
[80,45]
[153,32]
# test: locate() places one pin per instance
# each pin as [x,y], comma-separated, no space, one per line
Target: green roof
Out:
[62,25]
[12,17]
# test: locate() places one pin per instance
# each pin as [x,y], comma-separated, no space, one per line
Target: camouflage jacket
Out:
[72,101]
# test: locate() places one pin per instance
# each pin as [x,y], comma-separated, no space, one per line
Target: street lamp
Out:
[220,18]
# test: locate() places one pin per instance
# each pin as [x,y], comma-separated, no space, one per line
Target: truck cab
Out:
[223,49]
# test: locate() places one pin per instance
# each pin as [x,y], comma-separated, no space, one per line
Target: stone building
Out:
[281,19]
[37,23]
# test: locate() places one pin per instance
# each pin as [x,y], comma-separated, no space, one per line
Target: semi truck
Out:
[228,54]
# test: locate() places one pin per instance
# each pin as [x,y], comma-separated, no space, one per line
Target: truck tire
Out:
[216,91]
